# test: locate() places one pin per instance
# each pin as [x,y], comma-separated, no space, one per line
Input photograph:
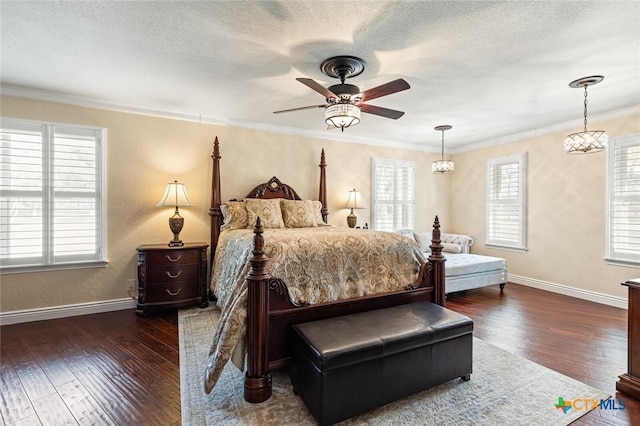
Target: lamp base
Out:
[175,224]
[352,219]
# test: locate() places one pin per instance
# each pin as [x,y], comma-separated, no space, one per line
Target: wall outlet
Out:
[131,284]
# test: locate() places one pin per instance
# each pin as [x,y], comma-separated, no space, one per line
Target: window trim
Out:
[610,254]
[48,131]
[521,244]
[375,162]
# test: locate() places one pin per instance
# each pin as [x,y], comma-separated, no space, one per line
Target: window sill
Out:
[5,270]
[619,262]
[506,248]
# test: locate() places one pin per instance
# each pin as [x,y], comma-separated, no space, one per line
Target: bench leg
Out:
[502,286]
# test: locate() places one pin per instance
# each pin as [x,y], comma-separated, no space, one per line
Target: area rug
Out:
[504,390]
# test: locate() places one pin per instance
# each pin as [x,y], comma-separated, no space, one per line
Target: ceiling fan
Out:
[344,102]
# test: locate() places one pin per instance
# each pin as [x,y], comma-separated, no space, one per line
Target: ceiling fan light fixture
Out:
[442,166]
[342,115]
[586,142]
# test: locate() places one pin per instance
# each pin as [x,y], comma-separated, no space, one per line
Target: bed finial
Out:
[322,196]
[437,260]
[216,200]
[257,381]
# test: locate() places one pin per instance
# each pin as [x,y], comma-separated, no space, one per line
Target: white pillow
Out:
[451,248]
[424,240]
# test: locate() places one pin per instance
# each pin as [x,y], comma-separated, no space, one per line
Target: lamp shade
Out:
[175,195]
[354,200]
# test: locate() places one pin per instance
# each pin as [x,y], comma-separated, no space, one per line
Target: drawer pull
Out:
[173,260]
[173,276]
[173,294]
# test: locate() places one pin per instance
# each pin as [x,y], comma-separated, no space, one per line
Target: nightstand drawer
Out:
[170,292]
[183,257]
[171,277]
[164,274]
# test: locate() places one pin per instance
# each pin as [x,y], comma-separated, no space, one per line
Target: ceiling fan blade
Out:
[383,112]
[317,87]
[385,89]
[300,108]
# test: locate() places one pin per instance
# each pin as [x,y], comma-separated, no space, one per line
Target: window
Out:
[623,201]
[506,202]
[51,196]
[392,188]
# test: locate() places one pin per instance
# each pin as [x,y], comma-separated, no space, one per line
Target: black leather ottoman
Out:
[348,365]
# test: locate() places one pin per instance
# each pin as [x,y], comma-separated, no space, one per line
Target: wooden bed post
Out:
[437,260]
[322,196]
[214,211]
[257,381]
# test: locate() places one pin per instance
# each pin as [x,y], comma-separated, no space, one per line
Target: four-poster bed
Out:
[261,306]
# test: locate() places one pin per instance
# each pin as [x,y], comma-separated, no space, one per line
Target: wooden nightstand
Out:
[171,277]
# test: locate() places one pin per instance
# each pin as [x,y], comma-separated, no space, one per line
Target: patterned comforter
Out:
[318,264]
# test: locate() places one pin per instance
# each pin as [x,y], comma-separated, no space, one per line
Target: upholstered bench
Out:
[348,365]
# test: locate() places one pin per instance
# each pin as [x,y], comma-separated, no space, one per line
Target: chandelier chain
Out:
[585,108]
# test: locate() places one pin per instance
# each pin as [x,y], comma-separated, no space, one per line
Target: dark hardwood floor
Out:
[583,340]
[116,368]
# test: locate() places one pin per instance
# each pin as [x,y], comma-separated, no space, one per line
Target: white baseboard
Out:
[618,302]
[15,317]
[28,315]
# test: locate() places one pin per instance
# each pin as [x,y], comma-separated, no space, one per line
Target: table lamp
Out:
[354,201]
[175,195]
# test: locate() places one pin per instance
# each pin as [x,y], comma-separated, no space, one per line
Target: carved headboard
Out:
[273,189]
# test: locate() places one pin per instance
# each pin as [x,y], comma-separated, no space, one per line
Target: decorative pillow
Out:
[268,210]
[317,207]
[407,234]
[234,215]
[424,240]
[298,214]
[451,248]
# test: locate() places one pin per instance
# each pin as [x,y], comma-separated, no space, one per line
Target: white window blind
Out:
[393,191]
[51,195]
[623,199]
[506,202]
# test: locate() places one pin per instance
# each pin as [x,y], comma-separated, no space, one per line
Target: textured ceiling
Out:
[495,71]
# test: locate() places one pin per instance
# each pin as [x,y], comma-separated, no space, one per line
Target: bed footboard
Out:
[270,312]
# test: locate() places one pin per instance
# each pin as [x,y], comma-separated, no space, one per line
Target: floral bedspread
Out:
[318,264]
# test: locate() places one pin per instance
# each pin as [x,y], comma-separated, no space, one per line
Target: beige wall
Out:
[566,196]
[144,153]
[566,211]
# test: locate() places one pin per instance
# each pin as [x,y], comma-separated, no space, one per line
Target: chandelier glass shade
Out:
[342,115]
[442,165]
[586,142]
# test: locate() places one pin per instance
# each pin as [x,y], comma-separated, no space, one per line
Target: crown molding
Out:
[48,96]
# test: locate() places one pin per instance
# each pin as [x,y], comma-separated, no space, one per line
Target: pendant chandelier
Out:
[442,165]
[586,142]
